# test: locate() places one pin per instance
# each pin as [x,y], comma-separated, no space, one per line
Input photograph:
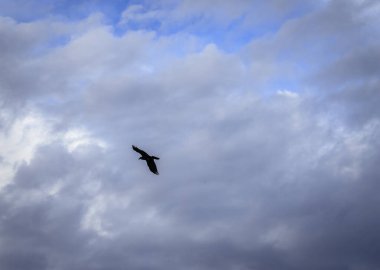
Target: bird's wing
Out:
[141,152]
[152,166]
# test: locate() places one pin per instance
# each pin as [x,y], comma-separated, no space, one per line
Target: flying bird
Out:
[149,159]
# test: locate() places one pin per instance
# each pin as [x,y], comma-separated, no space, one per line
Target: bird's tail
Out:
[155,157]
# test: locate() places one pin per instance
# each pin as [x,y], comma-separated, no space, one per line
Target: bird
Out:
[149,159]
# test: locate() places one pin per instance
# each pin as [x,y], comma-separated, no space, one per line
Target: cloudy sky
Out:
[265,115]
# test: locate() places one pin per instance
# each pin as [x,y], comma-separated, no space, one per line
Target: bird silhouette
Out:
[149,159]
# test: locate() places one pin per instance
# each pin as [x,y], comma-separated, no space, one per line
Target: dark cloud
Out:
[254,174]
[352,84]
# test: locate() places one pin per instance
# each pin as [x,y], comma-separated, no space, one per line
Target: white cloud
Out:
[76,138]
[18,141]
[92,220]
[287,93]
[21,137]
[137,14]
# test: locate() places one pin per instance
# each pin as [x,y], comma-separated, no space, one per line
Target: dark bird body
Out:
[149,159]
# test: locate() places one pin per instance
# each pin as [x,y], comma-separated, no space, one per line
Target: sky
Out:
[265,116]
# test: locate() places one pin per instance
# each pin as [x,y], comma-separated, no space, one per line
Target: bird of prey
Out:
[149,159]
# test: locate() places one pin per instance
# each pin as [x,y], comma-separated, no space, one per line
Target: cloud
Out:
[259,167]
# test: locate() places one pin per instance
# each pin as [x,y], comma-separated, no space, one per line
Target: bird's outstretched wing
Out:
[152,166]
[141,152]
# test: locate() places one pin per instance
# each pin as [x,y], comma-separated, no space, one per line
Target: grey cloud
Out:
[300,43]
[331,51]
[352,84]
[41,227]
[246,181]
[358,66]
[221,215]
[23,76]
